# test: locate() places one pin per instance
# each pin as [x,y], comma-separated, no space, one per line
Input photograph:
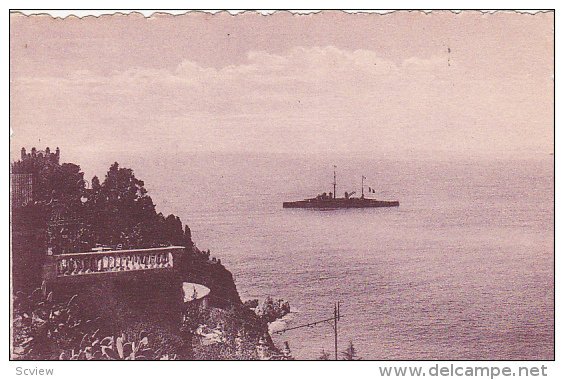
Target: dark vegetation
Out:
[66,215]
[117,210]
[270,310]
[349,353]
[48,329]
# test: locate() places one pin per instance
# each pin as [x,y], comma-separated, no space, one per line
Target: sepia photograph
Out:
[277,185]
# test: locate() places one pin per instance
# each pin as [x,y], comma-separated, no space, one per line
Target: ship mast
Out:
[334,181]
[363,178]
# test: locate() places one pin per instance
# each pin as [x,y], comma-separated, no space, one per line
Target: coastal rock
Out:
[270,310]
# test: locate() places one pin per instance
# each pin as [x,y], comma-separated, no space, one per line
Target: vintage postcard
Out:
[285,186]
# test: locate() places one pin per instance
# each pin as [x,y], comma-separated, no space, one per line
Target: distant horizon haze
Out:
[402,84]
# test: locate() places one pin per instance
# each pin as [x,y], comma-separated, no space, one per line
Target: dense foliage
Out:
[53,181]
[119,211]
[46,329]
[42,326]
[115,212]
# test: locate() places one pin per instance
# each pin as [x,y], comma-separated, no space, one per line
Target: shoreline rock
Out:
[270,310]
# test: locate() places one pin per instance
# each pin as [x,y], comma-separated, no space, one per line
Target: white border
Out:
[229,370]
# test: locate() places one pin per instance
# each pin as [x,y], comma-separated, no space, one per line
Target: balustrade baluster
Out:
[71,265]
[65,267]
[79,265]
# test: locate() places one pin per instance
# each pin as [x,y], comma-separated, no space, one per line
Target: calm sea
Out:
[463,269]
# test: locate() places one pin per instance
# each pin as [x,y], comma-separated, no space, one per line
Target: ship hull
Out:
[339,203]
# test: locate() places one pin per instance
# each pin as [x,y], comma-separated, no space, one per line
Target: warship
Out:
[330,201]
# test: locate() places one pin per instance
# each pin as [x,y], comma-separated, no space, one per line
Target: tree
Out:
[66,183]
[121,212]
[53,181]
[350,352]
[120,209]
[188,236]
[96,186]
[324,355]
[115,211]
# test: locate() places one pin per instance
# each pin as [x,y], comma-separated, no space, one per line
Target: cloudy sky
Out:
[400,84]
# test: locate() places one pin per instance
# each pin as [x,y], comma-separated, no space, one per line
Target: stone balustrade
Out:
[76,264]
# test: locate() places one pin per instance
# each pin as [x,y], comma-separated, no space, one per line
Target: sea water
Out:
[463,269]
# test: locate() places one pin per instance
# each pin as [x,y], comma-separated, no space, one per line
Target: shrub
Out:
[112,348]
[350,352]
[45,329]
[43,326]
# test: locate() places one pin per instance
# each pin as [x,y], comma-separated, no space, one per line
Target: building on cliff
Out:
[24,174]
[22,189]
[41,154]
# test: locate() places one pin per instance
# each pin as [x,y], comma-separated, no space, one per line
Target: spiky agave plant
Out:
[115,348]
[43,325]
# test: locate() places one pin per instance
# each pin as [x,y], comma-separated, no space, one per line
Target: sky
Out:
[403,84]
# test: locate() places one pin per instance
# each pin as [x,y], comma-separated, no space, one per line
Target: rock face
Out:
[197,267]
[270,310]
[239,333]
[125,299]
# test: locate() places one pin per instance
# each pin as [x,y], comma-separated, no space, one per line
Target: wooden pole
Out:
[334,182]
[336,330]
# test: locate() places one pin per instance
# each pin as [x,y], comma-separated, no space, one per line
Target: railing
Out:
[75,264]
